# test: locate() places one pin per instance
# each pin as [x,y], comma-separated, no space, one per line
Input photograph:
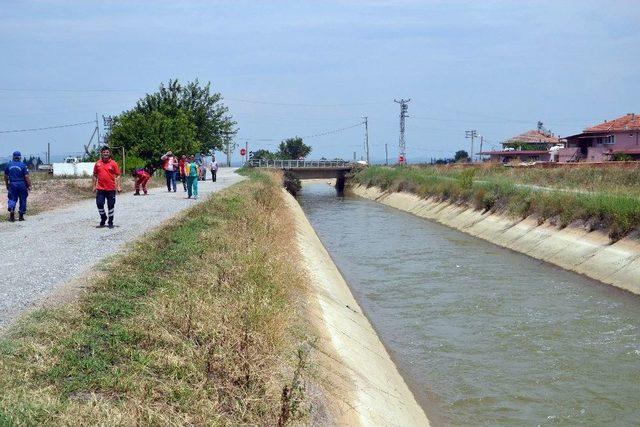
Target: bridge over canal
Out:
[310,169]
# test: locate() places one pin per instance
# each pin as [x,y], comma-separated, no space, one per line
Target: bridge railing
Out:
[290,164]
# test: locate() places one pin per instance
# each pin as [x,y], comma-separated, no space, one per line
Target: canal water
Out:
[483,335]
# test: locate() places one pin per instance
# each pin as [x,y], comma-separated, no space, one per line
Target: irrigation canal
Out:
[483,335]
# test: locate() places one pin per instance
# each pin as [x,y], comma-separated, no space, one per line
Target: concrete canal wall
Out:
[575,249]
[363,384]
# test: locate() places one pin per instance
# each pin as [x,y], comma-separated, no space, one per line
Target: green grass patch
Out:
[195,324]
[499,189]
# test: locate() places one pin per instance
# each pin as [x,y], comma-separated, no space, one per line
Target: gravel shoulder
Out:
[48,250]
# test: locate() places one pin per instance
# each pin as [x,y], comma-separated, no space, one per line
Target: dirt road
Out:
[46,251]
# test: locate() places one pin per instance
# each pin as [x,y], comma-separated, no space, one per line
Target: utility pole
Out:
[402,151]
[98,128]
[246,152]
[354,157]
[48,153]
[366,137]
[472,134]
[386,154]
[481,142]
[228,145]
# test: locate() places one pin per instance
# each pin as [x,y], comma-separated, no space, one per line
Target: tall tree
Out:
[149,136]
[186,118]
[293,148]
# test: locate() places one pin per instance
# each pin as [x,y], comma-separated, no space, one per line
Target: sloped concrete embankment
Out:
[572,248]
[364,385]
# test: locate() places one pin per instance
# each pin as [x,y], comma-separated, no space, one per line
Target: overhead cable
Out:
[48,127]
[316,135]
[288,104]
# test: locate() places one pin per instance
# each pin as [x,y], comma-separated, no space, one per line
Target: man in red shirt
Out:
[106,181]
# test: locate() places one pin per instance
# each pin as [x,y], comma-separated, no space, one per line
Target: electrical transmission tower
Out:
[402,153]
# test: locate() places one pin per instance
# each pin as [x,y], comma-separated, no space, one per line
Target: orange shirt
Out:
[106,174]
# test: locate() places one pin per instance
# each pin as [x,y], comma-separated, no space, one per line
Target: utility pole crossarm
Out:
[471,134]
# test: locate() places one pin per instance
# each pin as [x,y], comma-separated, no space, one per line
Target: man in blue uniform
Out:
[16,178]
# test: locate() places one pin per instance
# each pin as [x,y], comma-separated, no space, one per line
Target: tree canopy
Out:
[263,154]
[293,148]
[186,119]
[289,149]
[461,156]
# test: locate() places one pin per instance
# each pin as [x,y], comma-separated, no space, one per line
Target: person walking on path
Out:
[214,168]
[170,166]
[142,177]
[203,168]
[18,183]
[193,173]
[183,174]
[106,181]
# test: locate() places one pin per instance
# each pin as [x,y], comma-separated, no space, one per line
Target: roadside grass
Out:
[617,213]
[624,179]
[194,324]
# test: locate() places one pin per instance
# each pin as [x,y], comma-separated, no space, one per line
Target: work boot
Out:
[20,217]
[145,192]
[103,220]
[137,193]
[110,224]
[12,216]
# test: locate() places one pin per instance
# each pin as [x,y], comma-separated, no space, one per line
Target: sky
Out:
[303,68]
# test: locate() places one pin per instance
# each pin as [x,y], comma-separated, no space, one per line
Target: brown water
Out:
[483,335]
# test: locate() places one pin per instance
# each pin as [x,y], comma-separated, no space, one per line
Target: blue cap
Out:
[17,154]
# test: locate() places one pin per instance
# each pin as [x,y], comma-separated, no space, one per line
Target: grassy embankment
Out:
[605,199]
[195,324]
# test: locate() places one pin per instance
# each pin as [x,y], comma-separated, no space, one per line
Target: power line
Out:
[329,132]
[243,100]
[48,127]
[288,104]
[69,90]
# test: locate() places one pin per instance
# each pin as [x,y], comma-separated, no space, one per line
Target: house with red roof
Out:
[531,146]
[604,141]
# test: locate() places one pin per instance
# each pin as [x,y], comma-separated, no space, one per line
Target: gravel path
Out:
[49,249]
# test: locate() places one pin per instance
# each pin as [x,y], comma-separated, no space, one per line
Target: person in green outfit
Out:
[192,170]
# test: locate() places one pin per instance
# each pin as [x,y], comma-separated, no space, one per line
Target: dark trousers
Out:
[183,178]
[110,198]
[213,175]
[171,180]
[18,192]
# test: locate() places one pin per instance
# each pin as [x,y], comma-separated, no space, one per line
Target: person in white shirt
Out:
[214,168]
[170,166]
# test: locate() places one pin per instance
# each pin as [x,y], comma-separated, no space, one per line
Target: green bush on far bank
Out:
[615,212]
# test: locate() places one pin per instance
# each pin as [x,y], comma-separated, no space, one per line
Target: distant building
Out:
[604,141]
[531,146]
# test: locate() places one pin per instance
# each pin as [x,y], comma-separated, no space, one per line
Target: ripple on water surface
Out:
[484,336]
